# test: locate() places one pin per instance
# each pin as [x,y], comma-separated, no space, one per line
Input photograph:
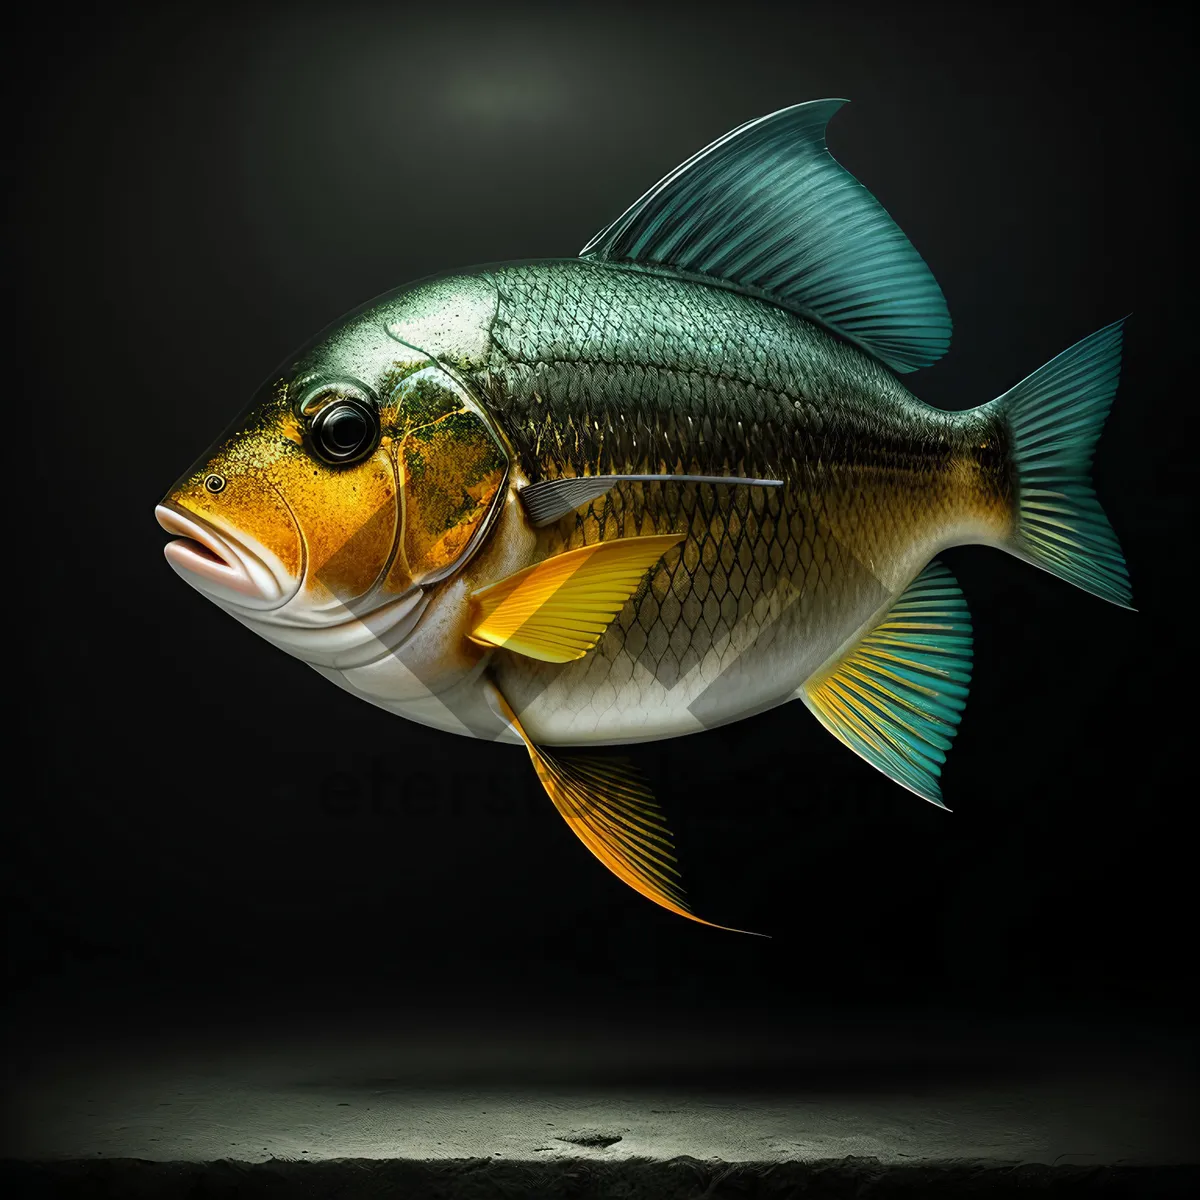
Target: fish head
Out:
[356,486]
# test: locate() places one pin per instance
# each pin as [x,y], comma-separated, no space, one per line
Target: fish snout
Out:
[242,549]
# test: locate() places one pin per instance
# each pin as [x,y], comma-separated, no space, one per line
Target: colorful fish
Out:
[662,486]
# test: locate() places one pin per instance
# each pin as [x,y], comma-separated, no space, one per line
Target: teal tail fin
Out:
[1053,420]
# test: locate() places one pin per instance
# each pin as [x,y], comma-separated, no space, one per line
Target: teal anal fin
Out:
[768,209]
[1053,419]
[896,697]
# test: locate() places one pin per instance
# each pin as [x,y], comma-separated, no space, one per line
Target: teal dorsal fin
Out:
[896,696]
[768,209]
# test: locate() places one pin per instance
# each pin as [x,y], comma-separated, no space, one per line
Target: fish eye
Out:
[345,431]
[343,423]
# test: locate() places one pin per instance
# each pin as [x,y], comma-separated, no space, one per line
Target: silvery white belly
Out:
[643,685]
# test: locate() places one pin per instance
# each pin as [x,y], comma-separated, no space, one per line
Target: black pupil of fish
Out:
[344,430]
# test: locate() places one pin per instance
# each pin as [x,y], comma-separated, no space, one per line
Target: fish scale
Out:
[596,369]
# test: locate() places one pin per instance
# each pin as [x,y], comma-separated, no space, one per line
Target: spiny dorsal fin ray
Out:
[551,499]
[768,209]
[897,696]
[557,610]
[612,811]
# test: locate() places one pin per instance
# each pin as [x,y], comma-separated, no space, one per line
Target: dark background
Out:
[197,819]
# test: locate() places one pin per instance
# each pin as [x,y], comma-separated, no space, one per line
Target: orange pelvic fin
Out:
[610,808]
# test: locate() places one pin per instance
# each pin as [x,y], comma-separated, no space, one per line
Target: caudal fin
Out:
[1053,418]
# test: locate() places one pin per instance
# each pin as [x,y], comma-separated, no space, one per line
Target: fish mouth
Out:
[213,563]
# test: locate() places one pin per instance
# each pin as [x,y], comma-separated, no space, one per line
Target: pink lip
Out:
[201,552]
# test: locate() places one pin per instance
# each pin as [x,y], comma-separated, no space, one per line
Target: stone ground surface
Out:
[603,1111]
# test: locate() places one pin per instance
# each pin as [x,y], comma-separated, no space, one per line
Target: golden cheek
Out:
[452,472]
[348,517]
[246,508]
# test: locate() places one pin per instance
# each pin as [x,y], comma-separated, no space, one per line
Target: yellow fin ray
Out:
[557,610]
[612,811]
[896,697]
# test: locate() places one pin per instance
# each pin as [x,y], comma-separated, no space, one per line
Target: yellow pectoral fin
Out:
[557,610]
[611,810]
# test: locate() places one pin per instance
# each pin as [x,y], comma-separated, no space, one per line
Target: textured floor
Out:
[518,1109]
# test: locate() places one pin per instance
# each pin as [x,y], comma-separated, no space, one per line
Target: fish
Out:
[664,485]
